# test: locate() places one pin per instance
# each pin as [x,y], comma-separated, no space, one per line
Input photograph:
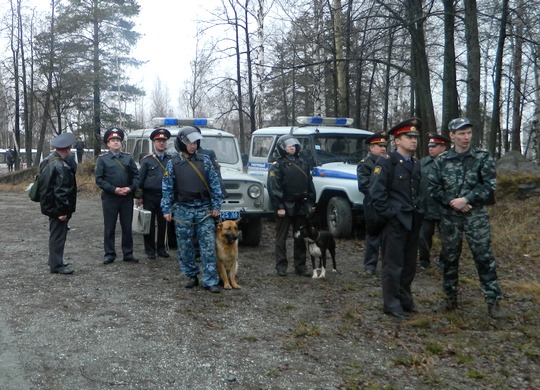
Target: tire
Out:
[251,232]
[339,217]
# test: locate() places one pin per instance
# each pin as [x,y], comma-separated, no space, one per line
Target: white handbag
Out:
[141,220]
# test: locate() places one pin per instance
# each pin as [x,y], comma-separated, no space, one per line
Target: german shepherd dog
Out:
[318,242]
[227,252]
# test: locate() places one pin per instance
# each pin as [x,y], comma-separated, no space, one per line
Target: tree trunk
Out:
[517,66]
[340,61]
[450,94]
[96,87]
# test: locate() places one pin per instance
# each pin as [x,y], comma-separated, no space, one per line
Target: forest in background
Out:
[263,62]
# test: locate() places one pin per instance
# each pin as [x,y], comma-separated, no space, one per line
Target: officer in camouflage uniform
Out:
[433,209]
[377,148]
[153,167]
[462,180]
[191,191]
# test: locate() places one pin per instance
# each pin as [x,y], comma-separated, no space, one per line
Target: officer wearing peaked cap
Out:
[118,177]
[153,168]
[437,144]
[58,198]
[378,143]
[394,189]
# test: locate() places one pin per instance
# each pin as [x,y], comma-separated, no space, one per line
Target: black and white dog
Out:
[318,242]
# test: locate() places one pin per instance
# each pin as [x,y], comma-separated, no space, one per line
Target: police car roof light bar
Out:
[203,122]
[319,120]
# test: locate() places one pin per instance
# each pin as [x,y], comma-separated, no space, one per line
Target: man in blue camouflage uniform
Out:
[394,188]
[192,193]
[377,148]
[118,177]
[153,167]
[463,180]
[436,145]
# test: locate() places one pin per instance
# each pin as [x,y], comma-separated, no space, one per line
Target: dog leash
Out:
[191,223]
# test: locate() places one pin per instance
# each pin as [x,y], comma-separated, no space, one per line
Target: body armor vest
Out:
[188,184]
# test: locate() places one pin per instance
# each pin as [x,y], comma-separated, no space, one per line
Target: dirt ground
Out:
[134,326]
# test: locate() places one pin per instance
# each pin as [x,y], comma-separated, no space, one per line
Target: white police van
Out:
[333,150]
[247,196]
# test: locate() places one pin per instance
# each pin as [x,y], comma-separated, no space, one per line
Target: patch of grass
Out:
[304,330]
[434,348]
[349,287]
[525,290]
[250,338]
[475,374]
[464,358]
[289,306]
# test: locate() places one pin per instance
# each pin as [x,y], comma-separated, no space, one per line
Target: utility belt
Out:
[186,196]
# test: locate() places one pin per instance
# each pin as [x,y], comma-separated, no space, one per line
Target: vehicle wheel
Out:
[339,217]
[251,232]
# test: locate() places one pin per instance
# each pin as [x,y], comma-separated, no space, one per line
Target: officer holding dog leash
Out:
[292,194]
[192,193]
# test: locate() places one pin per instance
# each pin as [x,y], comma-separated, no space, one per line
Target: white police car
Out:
[333,150]
[247,196]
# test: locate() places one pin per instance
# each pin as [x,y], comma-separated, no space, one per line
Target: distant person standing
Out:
[394,188]
[463,179]
[10,160]
[433,209]
[377,144]
[79,146]
[118,177]
[58,198]
[153,168]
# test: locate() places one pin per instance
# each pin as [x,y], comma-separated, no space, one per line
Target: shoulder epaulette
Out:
[148,155]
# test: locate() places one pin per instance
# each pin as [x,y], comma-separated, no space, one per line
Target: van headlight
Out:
[254,191]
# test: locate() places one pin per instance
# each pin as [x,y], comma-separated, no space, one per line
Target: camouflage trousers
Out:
[196,218]
[475,226]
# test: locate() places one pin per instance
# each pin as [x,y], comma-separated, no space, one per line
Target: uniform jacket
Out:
[432,208]
[112,172]
[290,186]
[470,175]
[170,182]
[363,171]
[58,187]
[394,191]
[151,173]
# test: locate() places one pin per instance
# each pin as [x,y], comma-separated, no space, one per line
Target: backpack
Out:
[33,190]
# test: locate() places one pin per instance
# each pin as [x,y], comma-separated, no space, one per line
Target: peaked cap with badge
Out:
[113,132]
[160,133]
[438,139]
[380,138]
[411,126]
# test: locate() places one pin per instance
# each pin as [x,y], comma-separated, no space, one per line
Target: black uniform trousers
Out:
[57,241]
[299,245]
[114,206]
[152,202]
[371,255]
[426,241]
[399,251]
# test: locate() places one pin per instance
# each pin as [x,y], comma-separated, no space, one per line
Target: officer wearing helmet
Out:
[463,181]
[292,194]
[192,197]
[118,177]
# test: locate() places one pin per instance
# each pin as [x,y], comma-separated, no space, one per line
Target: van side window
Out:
[261,146]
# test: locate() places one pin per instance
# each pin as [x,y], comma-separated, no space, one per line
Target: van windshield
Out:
[336,148]
[224,147]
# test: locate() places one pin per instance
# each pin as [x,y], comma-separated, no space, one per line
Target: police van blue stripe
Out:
[317,172]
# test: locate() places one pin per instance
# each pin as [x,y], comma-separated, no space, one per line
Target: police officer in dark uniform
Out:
[153,167]
[394,188]
[58,198]
[436,145]
[377,148]
[118,177]
[292,194]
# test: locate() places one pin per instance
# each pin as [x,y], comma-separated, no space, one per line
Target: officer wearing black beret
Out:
[437,144]
[153,168]
[377,144]
[118,177]
[394,188]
